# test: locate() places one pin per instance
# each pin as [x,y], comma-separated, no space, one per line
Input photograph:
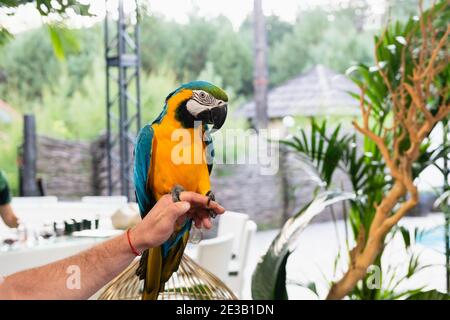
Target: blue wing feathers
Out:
[142,160]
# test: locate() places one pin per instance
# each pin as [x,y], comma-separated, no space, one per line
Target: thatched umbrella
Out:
[317,92]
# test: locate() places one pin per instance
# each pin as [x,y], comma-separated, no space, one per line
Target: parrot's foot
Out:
[176,191]
[211,197]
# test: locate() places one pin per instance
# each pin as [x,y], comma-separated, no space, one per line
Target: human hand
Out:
[159,224]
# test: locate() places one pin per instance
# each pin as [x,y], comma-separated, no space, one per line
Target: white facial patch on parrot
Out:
[202,101]
[194,107]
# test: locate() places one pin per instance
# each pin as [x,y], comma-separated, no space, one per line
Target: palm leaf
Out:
[269,278]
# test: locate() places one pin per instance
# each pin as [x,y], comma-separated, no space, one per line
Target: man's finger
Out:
[179,208]
[201,200]
[163,202]
[207,223]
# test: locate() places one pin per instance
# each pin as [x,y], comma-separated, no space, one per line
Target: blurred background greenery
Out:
[68,97]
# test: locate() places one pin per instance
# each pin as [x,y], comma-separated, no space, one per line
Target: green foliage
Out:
[317,40]
[63,113]
[329,150]
[276,29]
[46,7]
[76,112]
[5,36]
[313,39]
[30,65]
[323,151]
[160,43]
[62,38]
[188,49]
[231,58]
[428,295]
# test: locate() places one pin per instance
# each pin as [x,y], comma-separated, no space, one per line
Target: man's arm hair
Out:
[76,277]
[100,264]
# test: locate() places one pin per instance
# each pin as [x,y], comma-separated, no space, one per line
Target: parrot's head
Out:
[199,101]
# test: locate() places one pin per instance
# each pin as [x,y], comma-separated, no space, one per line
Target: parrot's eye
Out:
[202,95]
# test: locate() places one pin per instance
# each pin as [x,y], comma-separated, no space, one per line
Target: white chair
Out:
[33,200]
[105,199]
[213,255]
[237,265]
[234,223]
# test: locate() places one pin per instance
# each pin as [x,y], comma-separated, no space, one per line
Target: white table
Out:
[35,214]
[46,251]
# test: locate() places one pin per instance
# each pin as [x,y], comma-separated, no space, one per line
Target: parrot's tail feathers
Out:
[173,259]
[157,270]
[152,283]
[150,295]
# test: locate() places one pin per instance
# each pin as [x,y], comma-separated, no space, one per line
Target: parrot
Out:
[156,173]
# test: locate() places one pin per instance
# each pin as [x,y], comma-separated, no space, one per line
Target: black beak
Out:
[215,116]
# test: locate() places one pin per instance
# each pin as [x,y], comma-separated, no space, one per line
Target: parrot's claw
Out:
[176,191]
[211,197]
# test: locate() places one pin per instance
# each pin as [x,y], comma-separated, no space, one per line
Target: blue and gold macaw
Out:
[160,167]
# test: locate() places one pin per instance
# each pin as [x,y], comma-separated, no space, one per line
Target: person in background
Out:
[6,211]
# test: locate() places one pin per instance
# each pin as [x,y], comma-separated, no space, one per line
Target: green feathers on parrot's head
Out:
[206,86]
[199,101]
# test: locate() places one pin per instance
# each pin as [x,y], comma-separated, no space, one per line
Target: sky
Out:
[27,16]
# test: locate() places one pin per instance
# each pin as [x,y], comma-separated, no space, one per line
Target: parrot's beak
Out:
[215,116]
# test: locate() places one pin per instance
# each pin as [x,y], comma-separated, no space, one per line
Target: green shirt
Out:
[5,195]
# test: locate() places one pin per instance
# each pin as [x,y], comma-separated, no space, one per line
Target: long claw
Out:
[211,197]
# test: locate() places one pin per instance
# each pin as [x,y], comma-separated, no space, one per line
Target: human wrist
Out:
[138,240]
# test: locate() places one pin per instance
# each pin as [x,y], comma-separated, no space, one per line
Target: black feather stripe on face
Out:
[184,116]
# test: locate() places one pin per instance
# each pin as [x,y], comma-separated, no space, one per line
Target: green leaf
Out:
[56,43]
[429,295]
[5,36]
[406,236]
[63,40]
[269,278]
[312,286]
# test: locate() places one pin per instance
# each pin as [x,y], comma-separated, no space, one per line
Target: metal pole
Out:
[29,158]
[108,109]
[122,52]
[260,73]
[122,98]
[138,73]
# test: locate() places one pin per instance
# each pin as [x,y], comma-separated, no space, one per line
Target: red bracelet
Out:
[133,249]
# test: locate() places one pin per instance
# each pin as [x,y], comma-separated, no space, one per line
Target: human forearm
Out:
[80,276]
[76,277]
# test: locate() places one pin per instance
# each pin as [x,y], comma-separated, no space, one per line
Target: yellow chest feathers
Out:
[178,157]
